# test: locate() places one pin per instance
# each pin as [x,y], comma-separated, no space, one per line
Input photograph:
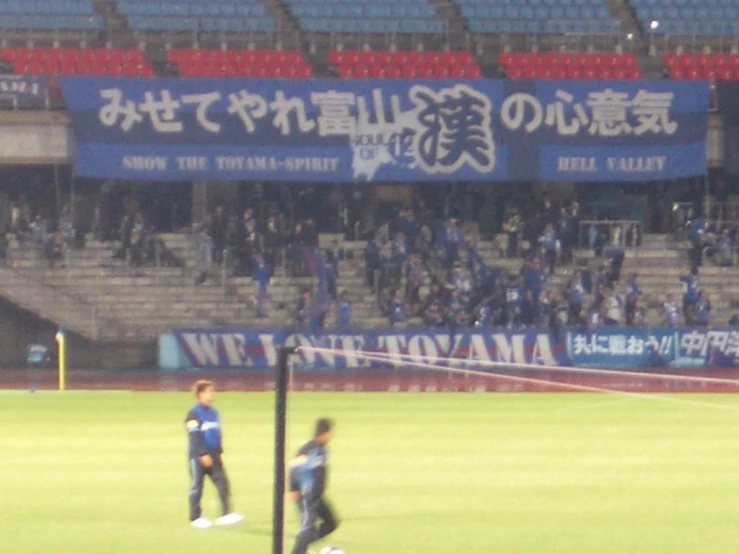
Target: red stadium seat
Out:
[366,57]
[431,58]
[515,73]
[574,72]
[725,74]
[505,59]
[394,72]
[559,72]
[670,60]
[378,71]
[361,71]
[441,72]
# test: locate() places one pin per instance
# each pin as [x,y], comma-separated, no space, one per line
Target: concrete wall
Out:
[19,328]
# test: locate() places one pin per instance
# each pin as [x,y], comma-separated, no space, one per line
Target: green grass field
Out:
[410,474]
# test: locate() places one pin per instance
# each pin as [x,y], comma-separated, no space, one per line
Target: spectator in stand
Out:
[407,225]
[639,318]
[19,220]
[371,263]
[414,279]
[722,253]
[534,278]
[311,234]
[595,317]
[218,228]
[456,310]
[67,229]
[451,240]
[549,245]
[528,309]
[38,230]
[614,255]
[139,239]
[512,228]
[272,242]
[333,256]
[690,294]
[302,310]
[702,310]
[576,293]
[567,230]
[612,308]
[670,311]
[126,229]
[204,258]
[696,230]
[247,245]
[544,310]
[344,311]
[397,309]
[433,311]
[633,294]
[602,282]
[261,277]
[318,310]
[483,314]
[55,249]
[513,299]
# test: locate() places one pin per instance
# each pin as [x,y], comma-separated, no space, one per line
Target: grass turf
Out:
[411,474]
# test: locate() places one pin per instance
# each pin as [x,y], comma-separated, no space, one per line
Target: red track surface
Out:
[403,381]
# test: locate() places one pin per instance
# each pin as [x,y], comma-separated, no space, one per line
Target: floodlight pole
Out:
[278,513]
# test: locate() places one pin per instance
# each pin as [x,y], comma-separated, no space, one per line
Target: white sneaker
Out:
[230,519]
[201,523]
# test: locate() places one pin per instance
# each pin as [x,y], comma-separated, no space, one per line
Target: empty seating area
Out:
[72,15]
[538,16]
[366,16]
[76,61]
[565,65]
[240,63]
[714,67]
[396,65]
[688,17]
[197,16]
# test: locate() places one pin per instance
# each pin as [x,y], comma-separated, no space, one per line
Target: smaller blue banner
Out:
[24,92]
[248,348]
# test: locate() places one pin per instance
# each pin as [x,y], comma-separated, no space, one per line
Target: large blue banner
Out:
[387,131]
[617,347]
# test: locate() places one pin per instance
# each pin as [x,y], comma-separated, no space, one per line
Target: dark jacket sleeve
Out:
[195,435]
[319,481]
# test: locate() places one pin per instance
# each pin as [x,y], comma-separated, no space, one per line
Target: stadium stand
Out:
[538,16]
[76,61]
[688,17]
[71,15]
[194,15]
[562,65]
[721,67]
[352,16]
[394,65]
[242,63]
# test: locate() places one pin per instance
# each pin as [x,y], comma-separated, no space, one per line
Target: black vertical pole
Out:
[278,513]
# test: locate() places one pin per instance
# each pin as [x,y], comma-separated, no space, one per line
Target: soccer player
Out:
[205,451]
[307,485]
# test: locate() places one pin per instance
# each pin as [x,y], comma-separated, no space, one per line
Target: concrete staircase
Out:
[101,299]
[104,299]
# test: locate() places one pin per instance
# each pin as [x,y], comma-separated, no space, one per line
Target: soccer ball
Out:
[331,550]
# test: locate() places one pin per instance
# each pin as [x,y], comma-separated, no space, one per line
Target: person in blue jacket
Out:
[205,451]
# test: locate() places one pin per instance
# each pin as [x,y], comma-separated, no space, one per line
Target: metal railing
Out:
[624,232]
